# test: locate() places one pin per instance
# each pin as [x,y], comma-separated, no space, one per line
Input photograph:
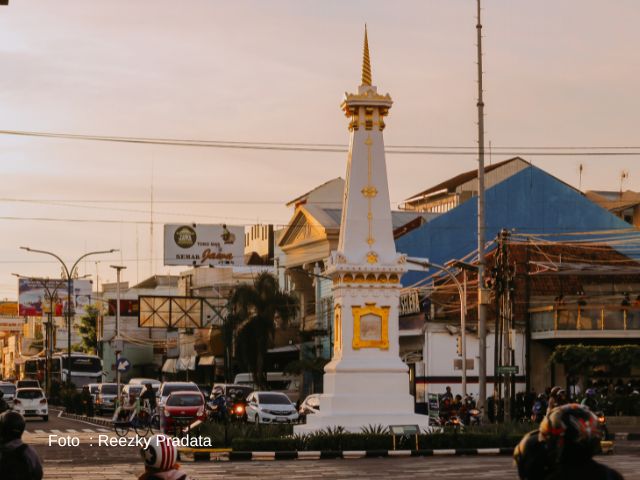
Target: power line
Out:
[340,148]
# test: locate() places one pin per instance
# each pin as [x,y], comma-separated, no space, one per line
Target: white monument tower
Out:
[365,383]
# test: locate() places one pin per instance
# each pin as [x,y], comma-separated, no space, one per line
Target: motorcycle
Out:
[602,425]
[217,411]
[474,416]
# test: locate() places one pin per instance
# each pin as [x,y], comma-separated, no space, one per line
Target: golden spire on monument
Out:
[366,63]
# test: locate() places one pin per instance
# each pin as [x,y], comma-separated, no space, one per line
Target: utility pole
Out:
[482,307]
[118,344]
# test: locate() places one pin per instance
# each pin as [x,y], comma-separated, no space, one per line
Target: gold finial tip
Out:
[366,62]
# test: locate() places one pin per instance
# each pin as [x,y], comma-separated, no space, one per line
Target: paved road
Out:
[90,460]
[478,468]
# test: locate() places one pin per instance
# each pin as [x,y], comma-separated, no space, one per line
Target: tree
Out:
[88,329]
[257,310]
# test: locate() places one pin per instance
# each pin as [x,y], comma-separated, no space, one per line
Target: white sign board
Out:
[199,245]
[11,323]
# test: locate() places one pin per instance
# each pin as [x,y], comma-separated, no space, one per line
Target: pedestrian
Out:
[87,401]
[4,406]
[160,460]
[18,461]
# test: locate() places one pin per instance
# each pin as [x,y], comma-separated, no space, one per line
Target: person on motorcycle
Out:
[590,400]
[149,395]
[571,437]
[219,404]
[539,409]
[557,398]
[4,406]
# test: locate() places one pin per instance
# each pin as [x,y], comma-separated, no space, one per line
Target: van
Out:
[276,382]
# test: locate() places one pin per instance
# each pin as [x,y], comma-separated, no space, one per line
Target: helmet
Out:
[531,457]
[590,392]
[571,433]
[217,392]
[161,453]
[12,426]
[556,392]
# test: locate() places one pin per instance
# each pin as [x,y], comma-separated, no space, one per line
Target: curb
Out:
[346,454]
[627,436]
[96,421]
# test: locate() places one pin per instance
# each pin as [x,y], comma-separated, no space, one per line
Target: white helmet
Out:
[161,453]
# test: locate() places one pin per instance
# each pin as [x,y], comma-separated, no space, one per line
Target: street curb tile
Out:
[356,454]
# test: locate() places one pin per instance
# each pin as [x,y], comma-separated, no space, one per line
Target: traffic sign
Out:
[508,369]
[123,365]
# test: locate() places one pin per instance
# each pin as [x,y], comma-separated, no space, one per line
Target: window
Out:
[30,394]
[192,400]
[274,399]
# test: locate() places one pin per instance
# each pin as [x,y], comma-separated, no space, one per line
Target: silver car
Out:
[9,390]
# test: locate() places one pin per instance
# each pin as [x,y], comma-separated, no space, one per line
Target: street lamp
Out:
[463,314]
[68,276]
[118,346]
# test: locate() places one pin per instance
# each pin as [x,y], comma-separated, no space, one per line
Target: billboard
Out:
[199,245]
[33,298]
[11,324]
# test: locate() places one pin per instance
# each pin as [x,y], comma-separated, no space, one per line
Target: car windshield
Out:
[238,393]
[273,399]
[30,393]
[186,400]
[168,389]
[109,389]
[135,389]
[28,383]
[83,364]
[8,389]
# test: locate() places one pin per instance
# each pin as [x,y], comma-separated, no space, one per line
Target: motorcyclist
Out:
[149,395]
[557,398]
[590,400]
[219,403]
[160,460]
[87,401]
[571,436]
[4,406]
[539,409]
[18,461]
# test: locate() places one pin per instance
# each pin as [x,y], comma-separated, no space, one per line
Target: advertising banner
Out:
[11,324]
[34,296]
[199,245]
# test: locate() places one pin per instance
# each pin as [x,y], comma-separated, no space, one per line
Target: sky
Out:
[557,74]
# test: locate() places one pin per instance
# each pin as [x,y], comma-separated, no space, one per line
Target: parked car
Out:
[106,398]
[309,405]
[28,383]
[9,390]
[167,388]
[31,402]
[181,409]
[130,393]
[270,407]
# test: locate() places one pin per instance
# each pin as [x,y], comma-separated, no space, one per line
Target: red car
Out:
[181,409]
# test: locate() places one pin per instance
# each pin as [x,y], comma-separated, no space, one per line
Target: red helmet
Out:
[571,433]
[161,454]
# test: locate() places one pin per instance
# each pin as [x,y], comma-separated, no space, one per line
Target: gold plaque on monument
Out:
[370,326]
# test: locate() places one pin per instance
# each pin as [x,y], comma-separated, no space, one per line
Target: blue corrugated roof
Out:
[531,201]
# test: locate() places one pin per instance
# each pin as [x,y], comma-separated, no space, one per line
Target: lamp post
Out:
[68,275]
[51,294]
[118,346]
[463,314]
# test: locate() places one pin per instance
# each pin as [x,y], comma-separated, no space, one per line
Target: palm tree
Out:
[257,310]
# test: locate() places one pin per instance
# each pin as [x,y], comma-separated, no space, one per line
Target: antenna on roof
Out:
[624,175]
[580,169]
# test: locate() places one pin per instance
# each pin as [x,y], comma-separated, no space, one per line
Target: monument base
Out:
[355,423]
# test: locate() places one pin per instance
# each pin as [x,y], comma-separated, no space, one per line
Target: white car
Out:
[167,388]
[9,390]
[270,407]
[31,402]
